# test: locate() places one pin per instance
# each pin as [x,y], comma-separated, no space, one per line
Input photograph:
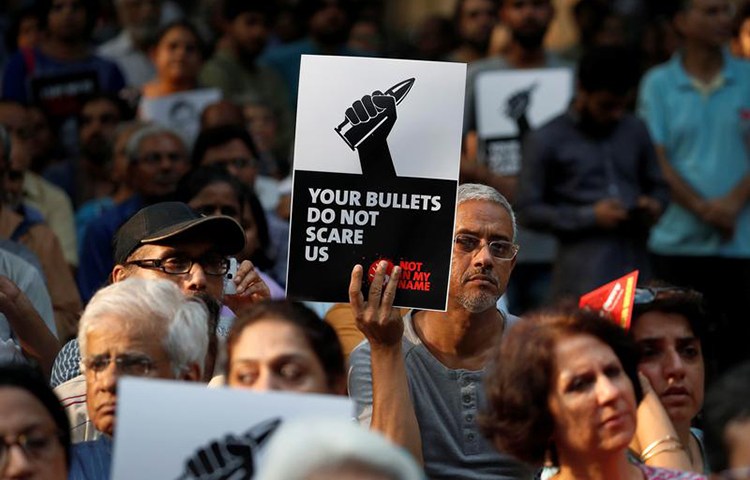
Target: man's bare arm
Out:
[682,192]
[392,408]
[35,339]
[720,212]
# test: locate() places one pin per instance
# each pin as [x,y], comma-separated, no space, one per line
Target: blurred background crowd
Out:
[111,106]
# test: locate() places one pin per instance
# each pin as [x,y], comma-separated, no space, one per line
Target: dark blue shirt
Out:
[17,76]
[566,169]
[91,460]
[97,259]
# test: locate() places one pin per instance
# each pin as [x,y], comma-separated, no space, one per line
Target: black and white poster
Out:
[184,431]
[510,103]
[376,165]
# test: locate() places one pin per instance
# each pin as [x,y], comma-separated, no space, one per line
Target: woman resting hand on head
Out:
[668,325]
[563,388]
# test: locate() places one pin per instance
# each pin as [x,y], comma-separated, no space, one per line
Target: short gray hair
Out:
[319,445]
[478,191]
[133,146]
[153,305]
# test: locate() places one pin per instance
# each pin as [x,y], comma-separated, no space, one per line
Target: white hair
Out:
[478,191]
[321,445]
[148,130]
[153,305]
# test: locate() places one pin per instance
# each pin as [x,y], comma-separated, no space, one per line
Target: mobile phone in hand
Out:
[230,288]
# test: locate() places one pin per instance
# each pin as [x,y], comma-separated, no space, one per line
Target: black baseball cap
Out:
[167,222]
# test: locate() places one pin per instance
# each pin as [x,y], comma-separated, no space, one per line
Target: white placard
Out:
[162,424]
[550,91]
[376,165]
[424,142]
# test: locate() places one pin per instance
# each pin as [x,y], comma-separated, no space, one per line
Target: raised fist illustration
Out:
[230,458]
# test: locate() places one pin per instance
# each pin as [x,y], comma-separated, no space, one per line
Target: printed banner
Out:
[62,96]
[614,299]
[185,431]
[510,103]
[376,165]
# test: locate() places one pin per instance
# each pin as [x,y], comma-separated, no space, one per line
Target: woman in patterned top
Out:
[563,387]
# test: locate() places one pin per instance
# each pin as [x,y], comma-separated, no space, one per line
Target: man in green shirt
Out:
[234,68]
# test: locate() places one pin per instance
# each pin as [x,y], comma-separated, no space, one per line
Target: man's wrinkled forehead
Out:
[477,213]
[162,249]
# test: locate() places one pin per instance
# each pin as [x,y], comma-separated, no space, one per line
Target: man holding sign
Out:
[438,358]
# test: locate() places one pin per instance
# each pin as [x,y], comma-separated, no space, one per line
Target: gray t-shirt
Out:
[446,403]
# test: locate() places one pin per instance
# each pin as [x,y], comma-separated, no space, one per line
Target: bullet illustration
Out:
[354,135]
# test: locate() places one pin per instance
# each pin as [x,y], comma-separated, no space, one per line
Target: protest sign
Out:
[179,111]
[177,430]
[376,164]
[615,299]
[510,103]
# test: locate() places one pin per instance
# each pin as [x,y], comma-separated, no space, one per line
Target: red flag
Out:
[614,299]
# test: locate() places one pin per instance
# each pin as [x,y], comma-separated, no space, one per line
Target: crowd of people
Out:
[146,153]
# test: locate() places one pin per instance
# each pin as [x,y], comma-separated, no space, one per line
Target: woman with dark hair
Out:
[564,387]
[256,228]
[177,56]
[283,345]
[211,190]
[34,430]
[668,325]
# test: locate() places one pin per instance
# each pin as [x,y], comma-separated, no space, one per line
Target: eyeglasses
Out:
[740,473]
[501,249]
[155,158]
[212,264]
[132,365]
[35,445]
[649,294]
[209,210]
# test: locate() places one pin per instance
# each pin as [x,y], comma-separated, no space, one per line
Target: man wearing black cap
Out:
[170,241]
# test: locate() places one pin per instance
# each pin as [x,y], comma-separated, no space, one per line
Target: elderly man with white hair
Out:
[334,449]
[143,328]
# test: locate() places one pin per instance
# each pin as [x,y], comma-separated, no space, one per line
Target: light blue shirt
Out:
[704,137]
